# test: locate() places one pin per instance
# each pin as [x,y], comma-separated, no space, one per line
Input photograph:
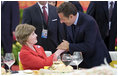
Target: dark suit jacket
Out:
[34,16]
[88,41]
[77,5]
[99,10]
[9,20]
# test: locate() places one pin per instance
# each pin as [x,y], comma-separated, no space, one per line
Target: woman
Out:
[32,56]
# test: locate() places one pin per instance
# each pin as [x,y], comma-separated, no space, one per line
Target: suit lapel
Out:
[49,14]
[76,29]
[105,6]
[78,26]
[40,12]
[69,28]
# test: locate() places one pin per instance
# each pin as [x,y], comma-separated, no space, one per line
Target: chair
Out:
[48,53]
[20,64]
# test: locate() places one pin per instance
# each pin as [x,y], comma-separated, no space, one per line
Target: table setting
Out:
[64,66]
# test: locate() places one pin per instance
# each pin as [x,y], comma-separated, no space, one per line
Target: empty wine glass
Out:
[66,59]
[2,63]
[77,58]
[9,59]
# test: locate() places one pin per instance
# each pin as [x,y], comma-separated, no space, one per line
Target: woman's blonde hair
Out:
[22,32]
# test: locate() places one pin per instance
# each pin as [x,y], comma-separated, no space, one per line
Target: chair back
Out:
[20,64]
[48,53]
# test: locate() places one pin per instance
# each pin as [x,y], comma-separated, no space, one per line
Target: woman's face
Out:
[32,39]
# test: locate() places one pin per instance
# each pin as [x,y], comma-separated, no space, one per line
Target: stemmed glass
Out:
[66,59]
[9,59]
[77,58]
[2,63]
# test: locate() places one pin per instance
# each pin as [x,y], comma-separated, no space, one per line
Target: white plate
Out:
[28,71]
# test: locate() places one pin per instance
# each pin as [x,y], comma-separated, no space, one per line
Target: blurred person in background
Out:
[9,20]
[53,3]
[105,14]
[77,5]
[32,56]
[81,6]
[49,29]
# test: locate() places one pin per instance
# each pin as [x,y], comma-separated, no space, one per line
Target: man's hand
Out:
[64,45]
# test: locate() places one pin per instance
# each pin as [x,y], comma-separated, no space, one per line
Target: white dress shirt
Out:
[75,23]
[2,2]
[42,6]
[109,4]
[108,9]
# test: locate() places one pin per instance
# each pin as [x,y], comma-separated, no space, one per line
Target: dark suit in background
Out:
[87,39]
[99,10]
[77,5]
[9,20]
[34,16]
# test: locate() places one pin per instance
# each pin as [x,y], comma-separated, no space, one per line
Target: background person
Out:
[105,14]
[9,21]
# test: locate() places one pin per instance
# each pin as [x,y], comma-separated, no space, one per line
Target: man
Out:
[82,35]
[106,19]
[48,27]
[9,20]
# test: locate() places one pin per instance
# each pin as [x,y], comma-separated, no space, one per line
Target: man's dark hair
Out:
[67,8]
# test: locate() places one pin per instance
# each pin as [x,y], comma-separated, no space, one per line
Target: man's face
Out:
[66,20]
[43,2]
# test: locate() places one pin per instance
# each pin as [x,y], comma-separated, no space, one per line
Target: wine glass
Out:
[2,63]
[77,58]
[56,60]
[66,59]
[9,59]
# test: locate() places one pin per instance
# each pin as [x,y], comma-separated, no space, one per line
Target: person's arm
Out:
[57,53]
